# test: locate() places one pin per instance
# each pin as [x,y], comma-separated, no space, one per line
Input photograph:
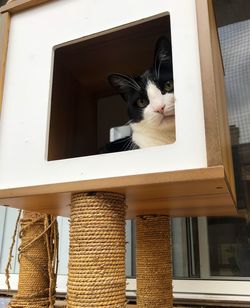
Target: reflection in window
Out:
[229,247]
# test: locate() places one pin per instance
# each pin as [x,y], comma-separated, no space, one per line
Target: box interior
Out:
[84,107]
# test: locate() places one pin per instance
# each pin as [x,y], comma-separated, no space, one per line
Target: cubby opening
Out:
[84,106]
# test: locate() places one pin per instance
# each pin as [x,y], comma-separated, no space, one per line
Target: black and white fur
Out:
[150,101]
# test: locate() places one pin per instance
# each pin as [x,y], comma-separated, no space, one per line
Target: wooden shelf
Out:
[197,192]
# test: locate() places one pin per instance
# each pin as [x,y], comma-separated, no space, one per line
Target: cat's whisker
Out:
[120,140]
[131,145]
[127,123]
[127,145]
[134,147]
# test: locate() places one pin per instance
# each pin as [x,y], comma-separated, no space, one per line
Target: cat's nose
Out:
[159,109]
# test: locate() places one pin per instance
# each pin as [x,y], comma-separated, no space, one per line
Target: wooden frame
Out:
[16,6]
[208,191]
[4,35]
[198,192]
[214,97]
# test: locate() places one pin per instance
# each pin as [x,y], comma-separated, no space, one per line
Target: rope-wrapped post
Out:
[38,261]
[96,275]
[153,262]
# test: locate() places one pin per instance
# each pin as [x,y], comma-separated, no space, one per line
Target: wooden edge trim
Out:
[224,130]
[214,155]
[4,39]
[231,186]
[16,6]
[191,175]
[148,197]
[214,97]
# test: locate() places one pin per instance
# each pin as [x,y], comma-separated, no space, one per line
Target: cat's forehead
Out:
[152,90]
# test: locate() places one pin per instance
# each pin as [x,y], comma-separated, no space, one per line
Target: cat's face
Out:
[150,97]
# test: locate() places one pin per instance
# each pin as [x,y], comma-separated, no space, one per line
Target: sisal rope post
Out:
[96,275]
[153,262]
[38,261]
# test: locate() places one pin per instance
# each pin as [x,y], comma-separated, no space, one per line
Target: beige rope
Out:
[97,251]
[38,261]
[153,262]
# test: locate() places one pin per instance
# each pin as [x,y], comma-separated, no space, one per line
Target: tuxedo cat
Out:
[150,102]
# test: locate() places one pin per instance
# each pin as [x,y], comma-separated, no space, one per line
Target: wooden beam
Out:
[4,38]
[198,192]
[214,155]
[213,89]
[21,5]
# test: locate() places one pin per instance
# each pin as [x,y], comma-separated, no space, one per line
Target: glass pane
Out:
[185,248]
[229,247]
[180,249]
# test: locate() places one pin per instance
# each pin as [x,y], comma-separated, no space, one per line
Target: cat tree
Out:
[53,88]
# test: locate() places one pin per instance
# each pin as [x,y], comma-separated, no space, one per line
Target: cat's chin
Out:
[164,120]
[160,131]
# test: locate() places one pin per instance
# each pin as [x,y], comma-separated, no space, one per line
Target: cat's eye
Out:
[169,86]
[141,103]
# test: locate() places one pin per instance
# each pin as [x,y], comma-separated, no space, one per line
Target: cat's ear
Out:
[123,84]
[163,54]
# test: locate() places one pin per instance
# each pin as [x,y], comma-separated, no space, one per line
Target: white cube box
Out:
[57,104]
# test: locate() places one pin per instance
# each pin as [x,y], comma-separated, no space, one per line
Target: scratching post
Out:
[97,251]
[38,261]
[153,262]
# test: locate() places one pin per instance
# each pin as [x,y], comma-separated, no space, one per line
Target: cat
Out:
[150,102]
